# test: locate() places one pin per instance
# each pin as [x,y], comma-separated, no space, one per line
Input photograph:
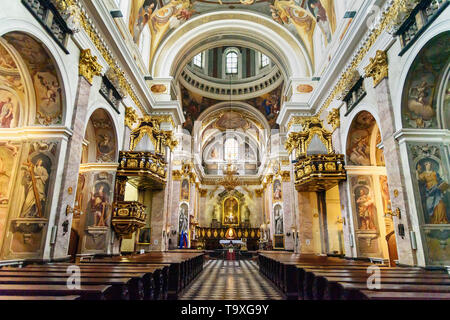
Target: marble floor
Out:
[231,280]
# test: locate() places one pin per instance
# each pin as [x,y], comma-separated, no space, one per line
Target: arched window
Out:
[231,149]
[232,62]
[198,60]
[265,61]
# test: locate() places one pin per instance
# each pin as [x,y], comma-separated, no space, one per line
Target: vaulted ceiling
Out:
[307,20]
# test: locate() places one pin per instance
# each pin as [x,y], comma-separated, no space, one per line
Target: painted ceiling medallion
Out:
[304,88]
[158,88]
[231,121]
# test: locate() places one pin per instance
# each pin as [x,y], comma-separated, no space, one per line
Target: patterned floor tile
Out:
[231,280]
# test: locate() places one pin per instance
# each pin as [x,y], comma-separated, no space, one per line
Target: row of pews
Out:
[311,277]
[151,276]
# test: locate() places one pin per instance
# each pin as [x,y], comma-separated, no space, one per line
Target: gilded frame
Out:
[238,213]
[188,190]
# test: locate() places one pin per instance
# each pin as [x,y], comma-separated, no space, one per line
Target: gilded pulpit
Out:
[144,167]
[317,167]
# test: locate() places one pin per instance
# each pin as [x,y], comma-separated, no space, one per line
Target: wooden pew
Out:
[334,278]
[389,295]
[137,289]
[183,266]
[151,282]
[353,291]
[87,292]
[156,278]
[306,277]
[330,290]
[3,298]
[283,269]
[119,286]
[320,283]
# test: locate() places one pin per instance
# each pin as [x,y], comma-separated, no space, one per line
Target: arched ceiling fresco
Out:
[301,17]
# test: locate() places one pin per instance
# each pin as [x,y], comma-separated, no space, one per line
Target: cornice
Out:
[24,133]
[86,167]
[421,135]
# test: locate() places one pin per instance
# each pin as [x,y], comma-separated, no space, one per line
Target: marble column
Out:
[347,221]
[158,219]
[305,217]
[66,199]
[395,175]
[289,214]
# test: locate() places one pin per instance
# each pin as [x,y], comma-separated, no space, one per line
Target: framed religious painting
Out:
[278,241]
[185,188]
[277,192]
[144,236]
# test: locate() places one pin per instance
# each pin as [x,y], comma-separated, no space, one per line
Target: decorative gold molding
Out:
[259,193]
[285,176]
[377,68]
[92,33]
[187,171]
[203,192]
[164,118]
[299,141]
[131,117]
[388,18]
[151,127]
[295,120]
[88,66]
[333,119]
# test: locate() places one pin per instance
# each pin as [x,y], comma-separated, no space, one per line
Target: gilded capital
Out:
[377,69]
[88,66]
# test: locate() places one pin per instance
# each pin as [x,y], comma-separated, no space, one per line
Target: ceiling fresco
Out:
[301,17]
[193,105]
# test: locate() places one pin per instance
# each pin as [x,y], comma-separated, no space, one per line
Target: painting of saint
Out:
[144,236]
[420,104]
[35,185]
[8,109]
[230,211]
[277,193]
[432,191]
[105,143]
[365,208]
[278,219]
[270,106]
[141,19]
[319,12]
[99,205]
[359,137]
[6,165]
[425,77]
[43,72]
[214,154]
[79,194]
[385,193]
[359,152]
[185,190]
[6,61]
